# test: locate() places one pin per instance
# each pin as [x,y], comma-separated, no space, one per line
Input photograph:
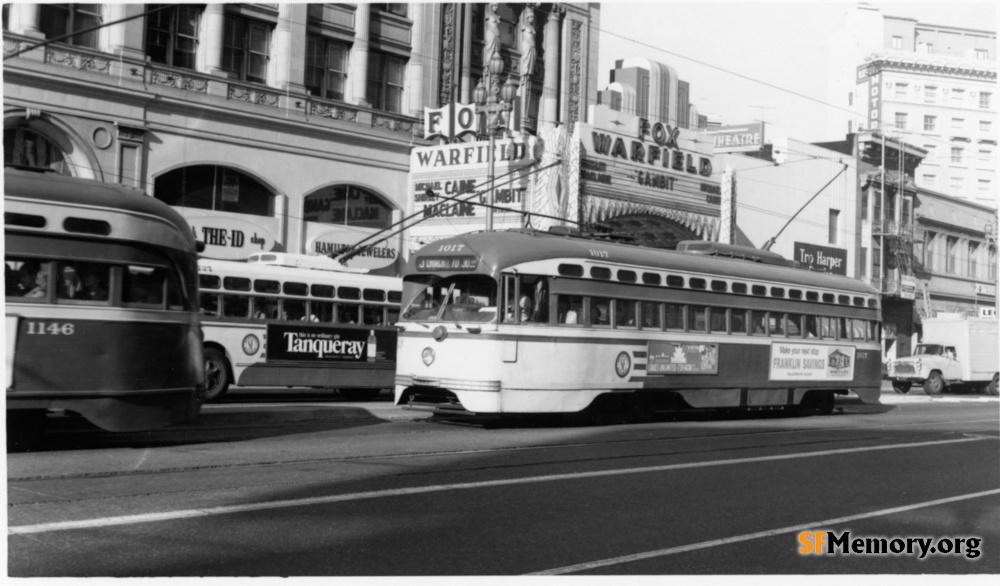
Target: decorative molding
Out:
[253,96]
[11,46]
[178,81]
[575,70]
[131,133]
[393,124]
[79,61]
[333,112]
[447,53]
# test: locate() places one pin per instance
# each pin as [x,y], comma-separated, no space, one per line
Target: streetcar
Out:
[101,305]
[290,320]
[524,321]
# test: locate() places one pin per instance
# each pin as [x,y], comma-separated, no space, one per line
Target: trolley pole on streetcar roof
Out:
[494,102]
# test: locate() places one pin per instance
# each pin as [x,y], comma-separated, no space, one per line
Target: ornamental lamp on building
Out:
[494,102]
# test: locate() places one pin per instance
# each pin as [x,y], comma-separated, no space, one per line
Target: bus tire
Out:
[216,374]
[901,387]
[991,387]
[934,384]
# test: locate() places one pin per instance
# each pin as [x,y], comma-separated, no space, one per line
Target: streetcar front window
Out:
[461,298]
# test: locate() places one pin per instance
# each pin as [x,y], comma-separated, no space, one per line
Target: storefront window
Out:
[347,205]
[23,146]
[211,187]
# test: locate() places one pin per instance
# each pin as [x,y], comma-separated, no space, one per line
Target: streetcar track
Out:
[495,450]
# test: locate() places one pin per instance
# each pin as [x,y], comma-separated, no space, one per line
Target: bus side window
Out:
[347,314]
[235,306]
[321,311]
[372,315]
[293,310]
[209,304]
[265,308]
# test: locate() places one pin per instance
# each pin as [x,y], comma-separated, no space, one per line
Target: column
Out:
[126,39]
[290,47]
[215,21]
[467,83]
[550,88]
[359,57]
[25,18]
[418,48]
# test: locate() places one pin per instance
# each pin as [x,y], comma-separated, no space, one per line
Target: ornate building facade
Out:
[284,127]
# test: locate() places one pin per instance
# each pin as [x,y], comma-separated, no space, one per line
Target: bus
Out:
[288,320]
[101,305]
[524,321]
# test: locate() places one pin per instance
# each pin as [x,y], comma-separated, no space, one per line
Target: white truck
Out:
[955,350]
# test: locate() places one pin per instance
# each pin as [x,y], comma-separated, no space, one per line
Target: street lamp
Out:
[494,102]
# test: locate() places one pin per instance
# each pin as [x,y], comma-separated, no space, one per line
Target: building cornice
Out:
[950,67]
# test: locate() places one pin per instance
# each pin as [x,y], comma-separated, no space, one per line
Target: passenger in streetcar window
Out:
[757,323]
[69,283]
[812,327]
[650,315]
[541,314]
[41,283]
[321,311]
[600,311]
[94,282]
[26,276]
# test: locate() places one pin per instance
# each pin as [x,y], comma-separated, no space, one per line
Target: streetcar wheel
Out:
[360,394]
[991,388]
[901,387]
[216,374]
[934,384]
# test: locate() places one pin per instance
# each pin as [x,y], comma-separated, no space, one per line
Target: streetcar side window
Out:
[26,278]
[674,316]
[738,321]
[775,324]
[624,313]
[570,309]
[794,325]
[600,311]
[758,322]
[697,318]
[651,318]
[717,320]
[84,281]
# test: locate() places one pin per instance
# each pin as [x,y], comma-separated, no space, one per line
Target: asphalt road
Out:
[330,488]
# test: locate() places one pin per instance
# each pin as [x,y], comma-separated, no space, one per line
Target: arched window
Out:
[213,187]
[24,146]
[347,205]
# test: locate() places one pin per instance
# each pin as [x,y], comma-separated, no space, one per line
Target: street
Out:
[318,487]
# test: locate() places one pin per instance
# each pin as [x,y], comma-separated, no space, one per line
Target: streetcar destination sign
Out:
[447,263]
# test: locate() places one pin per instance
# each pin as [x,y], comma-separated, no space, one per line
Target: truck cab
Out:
[931,365]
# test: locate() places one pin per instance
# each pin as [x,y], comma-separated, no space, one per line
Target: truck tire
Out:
[934,384]
[991,387]
[901,387]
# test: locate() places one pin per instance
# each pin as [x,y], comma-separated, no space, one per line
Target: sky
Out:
[725,49]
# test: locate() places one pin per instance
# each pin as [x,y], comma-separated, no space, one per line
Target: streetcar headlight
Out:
[427,356]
